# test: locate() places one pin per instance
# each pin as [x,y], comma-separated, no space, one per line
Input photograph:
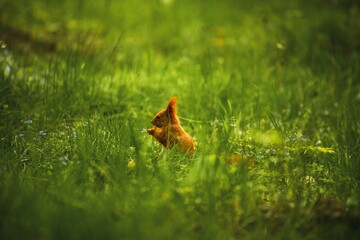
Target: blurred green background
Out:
[268,89]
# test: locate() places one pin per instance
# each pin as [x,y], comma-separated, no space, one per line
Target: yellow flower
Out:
[131,164]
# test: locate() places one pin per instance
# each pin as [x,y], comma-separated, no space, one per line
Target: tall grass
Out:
[268,90]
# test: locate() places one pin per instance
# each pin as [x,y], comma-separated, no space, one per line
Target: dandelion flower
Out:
[131,164]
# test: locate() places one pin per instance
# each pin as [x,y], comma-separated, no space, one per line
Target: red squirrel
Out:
[168,131]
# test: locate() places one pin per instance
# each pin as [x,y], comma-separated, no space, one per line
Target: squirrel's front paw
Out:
[151,131]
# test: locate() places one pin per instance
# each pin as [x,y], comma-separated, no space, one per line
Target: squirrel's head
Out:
[166,116]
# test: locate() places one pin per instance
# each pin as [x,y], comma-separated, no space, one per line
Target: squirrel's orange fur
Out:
[168,131]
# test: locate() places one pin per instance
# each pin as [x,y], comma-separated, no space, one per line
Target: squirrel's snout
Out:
[155,123]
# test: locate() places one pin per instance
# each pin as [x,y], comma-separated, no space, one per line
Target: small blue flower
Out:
[64,160]
[21,134]
[42,132]
[294,139]
[29,121]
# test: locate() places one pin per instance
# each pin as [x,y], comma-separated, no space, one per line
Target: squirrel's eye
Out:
[157,117]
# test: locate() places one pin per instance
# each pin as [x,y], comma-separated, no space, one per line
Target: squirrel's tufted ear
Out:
[171,107]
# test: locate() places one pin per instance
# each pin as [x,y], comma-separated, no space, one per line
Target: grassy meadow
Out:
[269,90]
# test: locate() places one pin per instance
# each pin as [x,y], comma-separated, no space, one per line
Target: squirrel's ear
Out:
[171,107]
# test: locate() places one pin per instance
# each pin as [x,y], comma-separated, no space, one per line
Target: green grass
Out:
[273,83]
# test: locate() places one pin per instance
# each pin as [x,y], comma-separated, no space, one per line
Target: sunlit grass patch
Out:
[268,90]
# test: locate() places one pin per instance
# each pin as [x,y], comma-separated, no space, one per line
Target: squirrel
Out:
[168,131]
